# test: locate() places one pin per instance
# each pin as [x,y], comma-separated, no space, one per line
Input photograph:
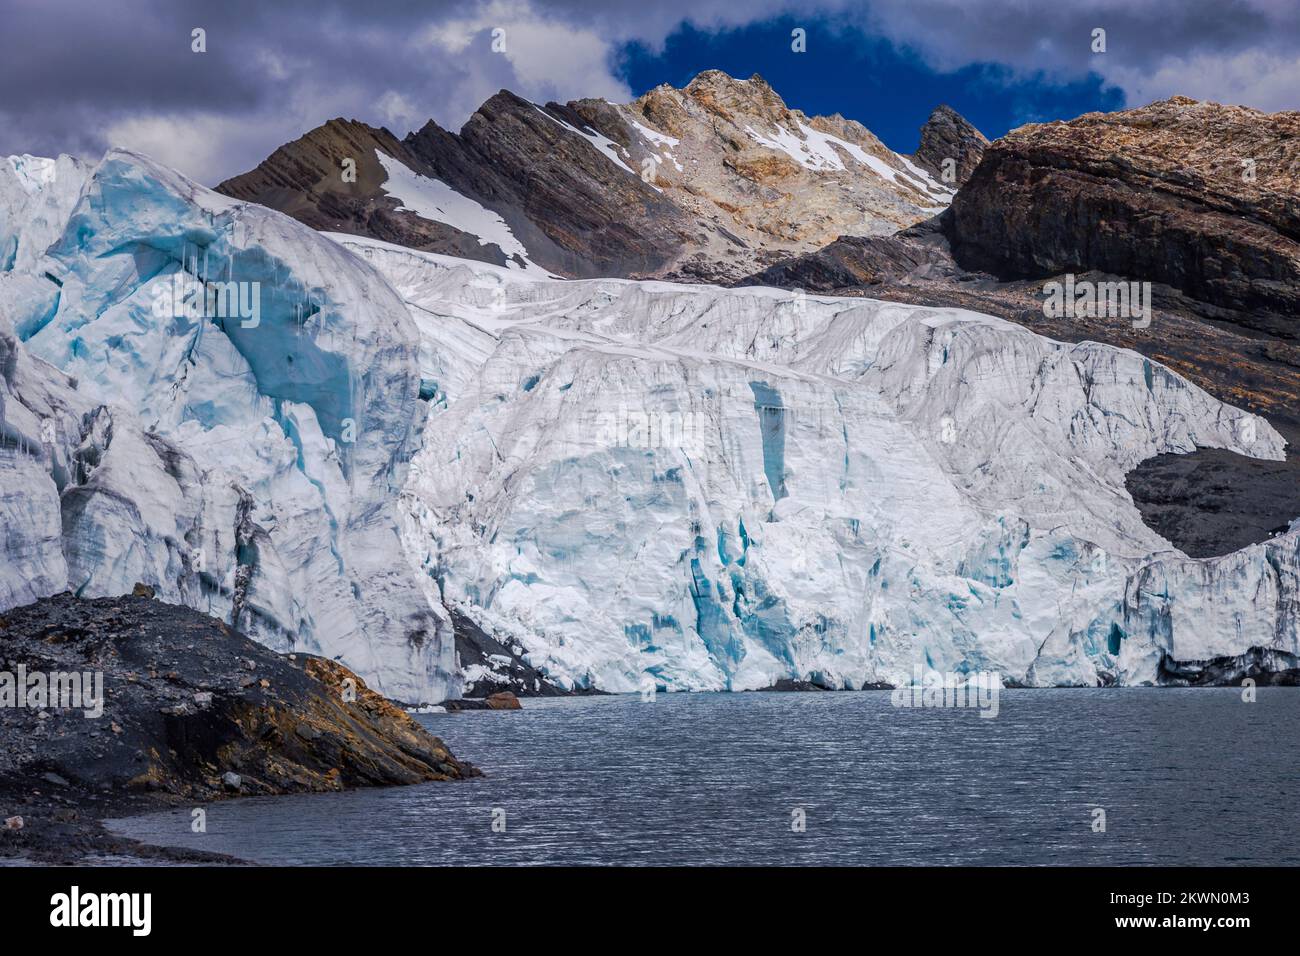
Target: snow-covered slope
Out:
[244,461]
[722,487]
[435,201]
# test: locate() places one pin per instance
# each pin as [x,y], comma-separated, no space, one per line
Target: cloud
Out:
[1255,78]
[196,143]
[546,59]
[79,75]
[1238,51]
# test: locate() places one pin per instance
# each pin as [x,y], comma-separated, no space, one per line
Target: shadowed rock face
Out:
[1200,197]
[1212,501]
[194,709]
[577,212]
[947,135]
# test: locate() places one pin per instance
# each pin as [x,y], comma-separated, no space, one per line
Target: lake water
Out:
[1185,776]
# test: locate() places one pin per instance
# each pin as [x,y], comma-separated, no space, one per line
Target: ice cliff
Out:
[710,488]
[245,464]
[720,488]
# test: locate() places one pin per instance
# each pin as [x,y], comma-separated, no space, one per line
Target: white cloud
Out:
[549,59]
[1251,78]
[196,144]
[398,112]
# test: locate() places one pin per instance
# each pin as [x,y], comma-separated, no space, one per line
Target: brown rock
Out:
[306,737]
[1200,197]
[947,135]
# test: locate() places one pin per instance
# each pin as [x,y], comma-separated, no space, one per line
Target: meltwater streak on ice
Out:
[1185,776]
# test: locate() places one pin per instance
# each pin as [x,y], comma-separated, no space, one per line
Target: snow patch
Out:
[819,151]
[603,143]
[434,200]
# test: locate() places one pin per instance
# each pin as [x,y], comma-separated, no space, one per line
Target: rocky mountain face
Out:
[712,181]
[1200,197]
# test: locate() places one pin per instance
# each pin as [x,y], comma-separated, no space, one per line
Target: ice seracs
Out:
[249,469]
[36,196]
[699,487]
[878,487]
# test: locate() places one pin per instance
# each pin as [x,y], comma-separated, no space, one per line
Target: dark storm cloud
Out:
[77,75]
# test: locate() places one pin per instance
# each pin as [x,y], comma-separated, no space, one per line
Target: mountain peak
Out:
[725,95]
[711,181]
[951,147]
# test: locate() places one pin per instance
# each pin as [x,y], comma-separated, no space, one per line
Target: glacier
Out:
[718,488]
[248,469]
[624,481]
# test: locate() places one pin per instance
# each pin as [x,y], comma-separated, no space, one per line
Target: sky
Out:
[79,76]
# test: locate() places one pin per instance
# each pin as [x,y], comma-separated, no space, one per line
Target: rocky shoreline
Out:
[130,705]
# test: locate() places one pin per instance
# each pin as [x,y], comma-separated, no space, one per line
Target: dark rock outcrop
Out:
[947,135]
[920,253]
[192,709]
[787,685]
[500,701]
[492,667]
[1212,501]
[1264,665]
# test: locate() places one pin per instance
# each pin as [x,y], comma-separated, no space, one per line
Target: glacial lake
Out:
[1184,776]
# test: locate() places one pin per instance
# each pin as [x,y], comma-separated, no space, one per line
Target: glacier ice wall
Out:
[710,488]
[719,488]
[247,464]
